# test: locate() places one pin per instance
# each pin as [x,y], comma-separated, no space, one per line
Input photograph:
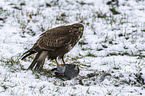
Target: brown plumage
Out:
[54,43]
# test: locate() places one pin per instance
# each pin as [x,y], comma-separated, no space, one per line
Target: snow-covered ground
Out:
[110,54]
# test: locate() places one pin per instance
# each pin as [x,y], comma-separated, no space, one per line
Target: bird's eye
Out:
[81,28]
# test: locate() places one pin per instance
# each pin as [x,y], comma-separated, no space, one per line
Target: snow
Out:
[128,49]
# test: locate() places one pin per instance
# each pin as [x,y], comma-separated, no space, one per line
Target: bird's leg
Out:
[63,61]
[56,62]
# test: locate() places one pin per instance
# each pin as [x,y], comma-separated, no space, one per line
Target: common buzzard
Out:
[54,43]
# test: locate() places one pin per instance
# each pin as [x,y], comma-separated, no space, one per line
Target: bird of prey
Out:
[54,43]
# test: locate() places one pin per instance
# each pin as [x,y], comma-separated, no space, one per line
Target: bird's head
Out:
[79,27]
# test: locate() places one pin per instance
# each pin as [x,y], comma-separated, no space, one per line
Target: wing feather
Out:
[55,38]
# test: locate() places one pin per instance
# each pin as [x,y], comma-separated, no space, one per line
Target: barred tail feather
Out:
[38,61]
[27,53]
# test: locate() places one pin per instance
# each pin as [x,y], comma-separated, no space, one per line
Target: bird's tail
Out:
[38,61]
[27,53]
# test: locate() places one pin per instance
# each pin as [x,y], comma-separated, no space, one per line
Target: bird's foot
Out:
[61,64]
